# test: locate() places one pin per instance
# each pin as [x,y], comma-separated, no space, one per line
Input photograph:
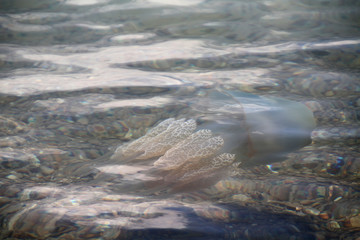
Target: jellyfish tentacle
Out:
[157,141]
[185,156]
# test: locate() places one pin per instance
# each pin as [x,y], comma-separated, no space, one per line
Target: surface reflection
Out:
[266,92]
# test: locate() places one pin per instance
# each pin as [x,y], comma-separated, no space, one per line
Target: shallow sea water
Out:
[277,81]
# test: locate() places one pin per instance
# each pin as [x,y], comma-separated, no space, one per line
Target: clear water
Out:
[277,80]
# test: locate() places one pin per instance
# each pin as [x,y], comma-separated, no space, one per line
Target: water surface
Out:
[78,78]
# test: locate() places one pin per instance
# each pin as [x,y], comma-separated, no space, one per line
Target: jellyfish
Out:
[228,130]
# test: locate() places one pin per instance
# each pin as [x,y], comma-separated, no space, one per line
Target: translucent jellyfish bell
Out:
[260,130]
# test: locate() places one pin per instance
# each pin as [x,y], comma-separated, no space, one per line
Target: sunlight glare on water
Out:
[203,119]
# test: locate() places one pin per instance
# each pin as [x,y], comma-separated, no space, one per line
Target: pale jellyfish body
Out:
[235,130]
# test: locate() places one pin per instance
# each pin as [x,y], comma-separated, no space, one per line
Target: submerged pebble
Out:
[82,81]
[9,126]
